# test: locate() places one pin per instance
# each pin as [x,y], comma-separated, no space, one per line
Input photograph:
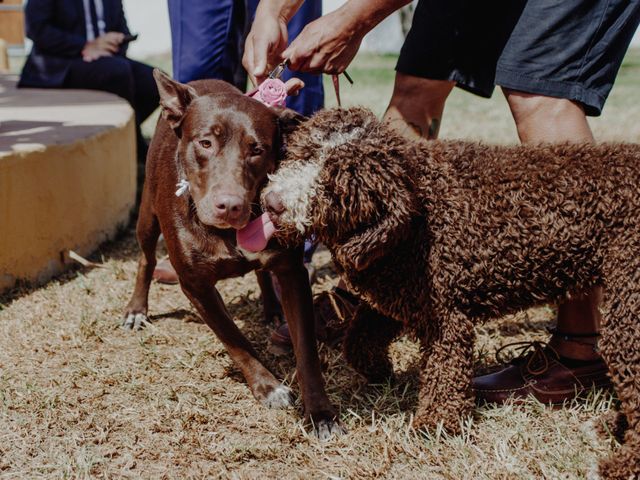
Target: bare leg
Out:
[417,105]
[554,120]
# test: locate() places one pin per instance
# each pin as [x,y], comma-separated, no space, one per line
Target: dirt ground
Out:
[82,398]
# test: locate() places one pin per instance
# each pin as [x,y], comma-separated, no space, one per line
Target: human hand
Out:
[326,45]
[266,40]
[293,86]
[103,46]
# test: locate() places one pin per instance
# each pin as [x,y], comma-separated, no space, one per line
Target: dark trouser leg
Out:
[117,75]
[145,100]
[207,40]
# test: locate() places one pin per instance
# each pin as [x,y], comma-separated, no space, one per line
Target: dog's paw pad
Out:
[325,429]
[135,321]
[279,397]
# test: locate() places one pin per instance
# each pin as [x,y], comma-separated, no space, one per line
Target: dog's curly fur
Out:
[442,235]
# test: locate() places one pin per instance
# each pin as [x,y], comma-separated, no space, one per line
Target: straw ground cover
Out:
[81,398]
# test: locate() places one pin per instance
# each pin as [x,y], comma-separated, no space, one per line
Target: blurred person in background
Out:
[83,44]
[208,41]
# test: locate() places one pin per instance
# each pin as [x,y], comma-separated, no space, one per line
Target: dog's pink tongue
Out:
[256,234]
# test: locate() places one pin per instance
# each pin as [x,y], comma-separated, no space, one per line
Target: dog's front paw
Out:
[279,397]
[325,429]
[134,321]
[624,464]
[326,425]
[612,424]
[450,425]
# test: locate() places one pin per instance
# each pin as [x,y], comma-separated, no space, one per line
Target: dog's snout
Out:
[228,206]
[274,203]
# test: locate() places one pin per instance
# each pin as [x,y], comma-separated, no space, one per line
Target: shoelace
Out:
[536,354]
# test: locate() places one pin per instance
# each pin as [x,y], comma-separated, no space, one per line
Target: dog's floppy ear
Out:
[288,121]
[361,250]
[175,97]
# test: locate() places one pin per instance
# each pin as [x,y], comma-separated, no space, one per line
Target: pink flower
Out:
[272,92]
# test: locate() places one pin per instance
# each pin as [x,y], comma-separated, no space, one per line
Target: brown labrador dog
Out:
[224,144]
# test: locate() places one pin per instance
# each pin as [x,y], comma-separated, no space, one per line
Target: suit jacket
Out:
[58,31]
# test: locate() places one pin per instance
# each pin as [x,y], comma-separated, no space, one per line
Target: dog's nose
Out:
[228,206]
[274,203]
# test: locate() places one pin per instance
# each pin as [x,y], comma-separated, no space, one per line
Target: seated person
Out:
[80,44]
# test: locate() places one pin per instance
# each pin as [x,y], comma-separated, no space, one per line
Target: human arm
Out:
[268,36]
[112,42]
[329,44]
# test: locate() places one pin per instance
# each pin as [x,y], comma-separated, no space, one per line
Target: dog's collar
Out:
[272,92]
[183,187]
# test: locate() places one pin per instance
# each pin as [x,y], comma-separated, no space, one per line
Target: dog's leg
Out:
[298,309]
[366,344]
[445,392]
[619,347]
[272,310]
[206,299]
[147,231]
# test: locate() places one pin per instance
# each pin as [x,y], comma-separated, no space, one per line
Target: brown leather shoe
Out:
[333,311]
[540,372]
[165,273]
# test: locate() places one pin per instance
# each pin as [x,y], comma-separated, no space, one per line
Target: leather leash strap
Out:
[336,87]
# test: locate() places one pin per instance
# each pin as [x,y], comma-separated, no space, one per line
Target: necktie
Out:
[94,18]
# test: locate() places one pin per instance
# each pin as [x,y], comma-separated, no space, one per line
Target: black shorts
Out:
[560,48]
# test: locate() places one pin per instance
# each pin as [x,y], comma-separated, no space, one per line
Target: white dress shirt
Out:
[91,35]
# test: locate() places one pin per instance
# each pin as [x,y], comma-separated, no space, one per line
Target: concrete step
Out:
[67,177]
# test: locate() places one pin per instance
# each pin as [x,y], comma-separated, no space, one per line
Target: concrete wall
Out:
[150,19]
[67,177]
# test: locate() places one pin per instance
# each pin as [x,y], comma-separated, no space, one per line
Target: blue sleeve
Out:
[47,37]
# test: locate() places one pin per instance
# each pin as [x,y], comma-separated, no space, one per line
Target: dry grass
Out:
[81,398]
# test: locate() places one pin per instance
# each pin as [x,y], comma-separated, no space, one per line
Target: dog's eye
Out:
[205,143]
[256,150]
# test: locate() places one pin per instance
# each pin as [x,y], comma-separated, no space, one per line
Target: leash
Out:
[272,92]
[277,72]
[336,85]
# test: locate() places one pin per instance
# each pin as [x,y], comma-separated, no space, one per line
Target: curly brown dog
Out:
[439,236]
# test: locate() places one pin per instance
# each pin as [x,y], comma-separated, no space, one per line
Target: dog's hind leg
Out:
[620,348]
[445,393]
[366,344]
[147,231]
